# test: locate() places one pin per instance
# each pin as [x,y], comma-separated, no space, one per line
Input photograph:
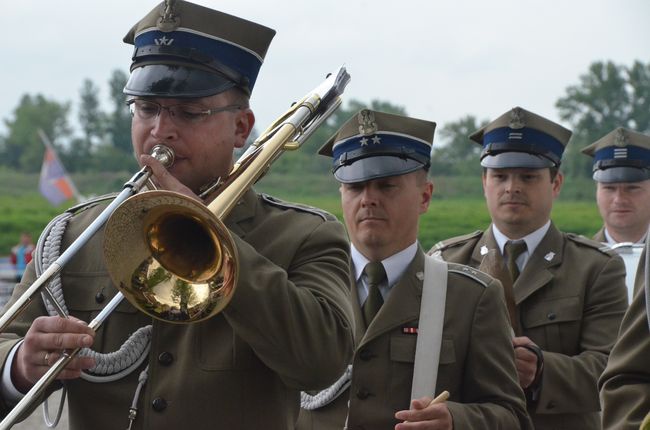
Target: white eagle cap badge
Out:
[516,118]
[367,124]
[619,138]
[169,20]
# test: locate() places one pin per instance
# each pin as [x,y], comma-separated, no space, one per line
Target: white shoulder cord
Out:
[110,366]
[322,398]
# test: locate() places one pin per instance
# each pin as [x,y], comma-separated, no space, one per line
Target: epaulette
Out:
[581,240]
[297,206]
[475,274]
[90,203]
[455,241]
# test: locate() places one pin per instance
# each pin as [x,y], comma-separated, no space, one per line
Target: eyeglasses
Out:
[181,114]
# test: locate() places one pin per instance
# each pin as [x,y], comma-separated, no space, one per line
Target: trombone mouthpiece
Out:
[163,154]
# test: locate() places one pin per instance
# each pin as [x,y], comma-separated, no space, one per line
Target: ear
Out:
[557,184]
[427,192]
[243,126]
[483,180]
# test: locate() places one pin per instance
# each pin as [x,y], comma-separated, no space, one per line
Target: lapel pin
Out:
[410,330]
[484,250]
[420,276]
[549,256]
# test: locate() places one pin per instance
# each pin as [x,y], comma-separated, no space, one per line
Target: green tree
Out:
[608,96]
[117,152]
[80,153]
[456,154]
[638,77]
[22,146]
[119,123]
[91,117]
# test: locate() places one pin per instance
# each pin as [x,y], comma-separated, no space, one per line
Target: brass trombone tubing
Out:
[132,186]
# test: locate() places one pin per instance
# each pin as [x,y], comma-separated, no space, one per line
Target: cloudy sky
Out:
[441,60]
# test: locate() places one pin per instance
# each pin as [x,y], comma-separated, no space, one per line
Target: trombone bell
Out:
[170,257]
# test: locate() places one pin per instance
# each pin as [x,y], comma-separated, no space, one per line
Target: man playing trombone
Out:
[288,324]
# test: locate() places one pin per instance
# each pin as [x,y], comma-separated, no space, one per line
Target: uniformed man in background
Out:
[381,161]
[288,325]
[622,174]
[566,294]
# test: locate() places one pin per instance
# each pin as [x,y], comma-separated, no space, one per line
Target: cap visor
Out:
[162,80]
[375,167]
[513,160]
[621,174]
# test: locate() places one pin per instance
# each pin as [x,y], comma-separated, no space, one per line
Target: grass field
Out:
[449,215]
[453,217]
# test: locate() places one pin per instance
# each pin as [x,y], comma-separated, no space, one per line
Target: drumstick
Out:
[441,398]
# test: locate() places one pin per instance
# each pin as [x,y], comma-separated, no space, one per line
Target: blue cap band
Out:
[235,57]
[358,147]
[505,139]
[628,155]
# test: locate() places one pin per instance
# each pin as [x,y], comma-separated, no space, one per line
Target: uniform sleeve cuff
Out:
[9,392]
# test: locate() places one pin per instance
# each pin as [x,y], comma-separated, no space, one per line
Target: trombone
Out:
[146,239]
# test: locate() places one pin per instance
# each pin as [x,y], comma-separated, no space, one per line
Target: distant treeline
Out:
[606,96]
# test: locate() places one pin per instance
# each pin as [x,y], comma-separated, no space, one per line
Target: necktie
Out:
[375,274]
[495,265]
[513,251]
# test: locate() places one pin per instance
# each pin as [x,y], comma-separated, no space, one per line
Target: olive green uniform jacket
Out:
[289,327]
[600,235]
[476,361]
[625,383]
[570,299]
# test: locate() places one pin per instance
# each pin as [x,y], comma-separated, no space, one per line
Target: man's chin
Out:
[371,239]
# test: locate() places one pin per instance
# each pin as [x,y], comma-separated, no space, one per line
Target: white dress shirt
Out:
[532,241]
[395,265]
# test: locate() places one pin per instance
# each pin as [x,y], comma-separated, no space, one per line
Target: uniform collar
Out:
[609,240]
[395,265]
[532,241]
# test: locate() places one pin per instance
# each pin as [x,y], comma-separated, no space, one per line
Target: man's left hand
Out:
[525,360]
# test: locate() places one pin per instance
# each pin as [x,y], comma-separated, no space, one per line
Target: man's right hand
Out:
[46,339]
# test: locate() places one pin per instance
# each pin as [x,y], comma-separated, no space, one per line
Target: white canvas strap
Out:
[432,314]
